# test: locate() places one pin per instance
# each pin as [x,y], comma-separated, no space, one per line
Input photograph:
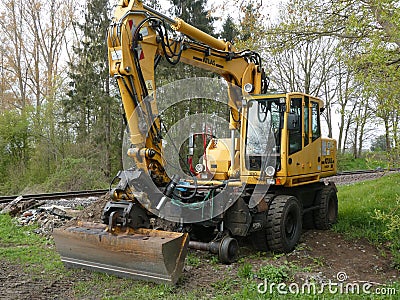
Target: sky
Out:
[270,8]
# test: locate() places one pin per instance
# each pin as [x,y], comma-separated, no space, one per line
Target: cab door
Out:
[304,136]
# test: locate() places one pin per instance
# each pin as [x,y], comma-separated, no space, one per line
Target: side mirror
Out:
[293,122]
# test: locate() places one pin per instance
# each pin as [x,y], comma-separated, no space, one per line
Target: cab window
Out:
[315,125]
[306,120]
[295,135]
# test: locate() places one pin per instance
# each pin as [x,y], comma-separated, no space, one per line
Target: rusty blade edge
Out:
[78,263]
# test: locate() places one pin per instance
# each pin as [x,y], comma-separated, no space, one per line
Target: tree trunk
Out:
[364,118]
[387,134]
[355,140]
[108,129]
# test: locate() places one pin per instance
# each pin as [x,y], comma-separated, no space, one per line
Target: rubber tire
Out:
[284,213]
[326,214]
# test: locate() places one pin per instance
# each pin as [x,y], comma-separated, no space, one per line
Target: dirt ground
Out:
[322,253]
[16,283]
[319,256]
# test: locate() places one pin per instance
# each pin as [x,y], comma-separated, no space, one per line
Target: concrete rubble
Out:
[19,205]
[47,215]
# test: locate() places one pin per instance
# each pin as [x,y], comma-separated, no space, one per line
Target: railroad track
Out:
[96,193]
[55,196]
[357,172]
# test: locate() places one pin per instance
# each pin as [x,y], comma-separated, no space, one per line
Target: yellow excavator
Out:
[262,182]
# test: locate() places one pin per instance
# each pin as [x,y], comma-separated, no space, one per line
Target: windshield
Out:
[263,130]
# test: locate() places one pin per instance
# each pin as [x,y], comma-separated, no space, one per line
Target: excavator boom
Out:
[115,247]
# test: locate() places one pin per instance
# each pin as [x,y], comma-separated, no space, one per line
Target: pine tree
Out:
[90,105]
[229,31]
[194,13]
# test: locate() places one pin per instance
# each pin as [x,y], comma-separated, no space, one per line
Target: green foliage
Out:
[245,271]
[15,146]
[14,135]
[229,30]
[368,210]
[365,38]
[194,13]
[94,113]
[251,28]
[379,143]
[74,174]
[391,219]
[276,274]
[370,161]
[39,144]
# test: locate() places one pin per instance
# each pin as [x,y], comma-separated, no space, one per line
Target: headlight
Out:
[248,87]
[270,171]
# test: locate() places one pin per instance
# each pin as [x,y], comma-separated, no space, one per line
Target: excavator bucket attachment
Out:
[145,254]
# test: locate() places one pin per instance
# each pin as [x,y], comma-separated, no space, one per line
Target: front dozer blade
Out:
[145,254]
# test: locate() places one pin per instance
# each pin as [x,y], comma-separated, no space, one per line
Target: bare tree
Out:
[308,67]
[50,24]
[13,51]
[35,32]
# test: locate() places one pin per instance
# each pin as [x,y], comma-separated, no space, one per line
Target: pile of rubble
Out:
[51,214]
[47,218]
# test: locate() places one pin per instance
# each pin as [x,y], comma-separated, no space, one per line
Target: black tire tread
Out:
[321,220]
[275,213]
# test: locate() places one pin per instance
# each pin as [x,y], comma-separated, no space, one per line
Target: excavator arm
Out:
[137,39]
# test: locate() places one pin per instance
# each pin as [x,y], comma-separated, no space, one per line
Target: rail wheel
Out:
[228,250]
[327,212]
[284,223]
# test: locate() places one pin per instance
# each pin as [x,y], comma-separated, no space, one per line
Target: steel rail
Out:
[94,193]
[53,196]
[356,172]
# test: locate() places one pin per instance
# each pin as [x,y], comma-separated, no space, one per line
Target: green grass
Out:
[358,207]
[110,287]
[22,246]
[370,161]
[193,260]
